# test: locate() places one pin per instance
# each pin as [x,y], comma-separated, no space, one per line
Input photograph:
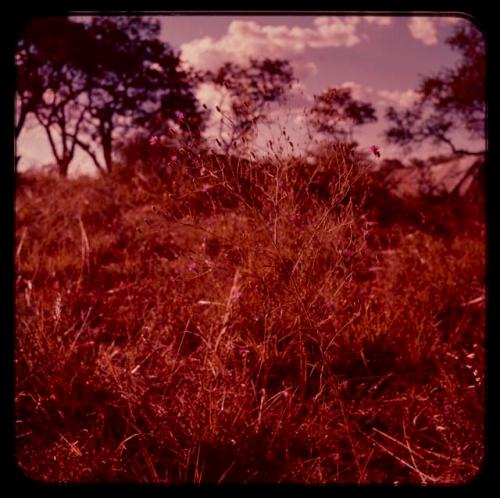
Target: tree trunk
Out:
[20,123]
[106,142]
[63,166]
[107,157]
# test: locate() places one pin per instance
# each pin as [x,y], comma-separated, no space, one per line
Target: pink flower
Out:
[181,116]
[206,187]
[173,158]
[153,140]
[375,150]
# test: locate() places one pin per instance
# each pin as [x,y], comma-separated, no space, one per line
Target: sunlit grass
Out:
[212,324]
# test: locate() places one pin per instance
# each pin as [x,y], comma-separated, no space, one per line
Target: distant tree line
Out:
[94,83]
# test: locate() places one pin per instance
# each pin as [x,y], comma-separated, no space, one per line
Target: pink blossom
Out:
[375,150]
[181,116]
[153,140]
[173,158]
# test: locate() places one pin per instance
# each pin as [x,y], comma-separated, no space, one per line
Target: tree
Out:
[87,82]
[30,83]
[251,89]
[134,80]
[50,83]
[336,113]
[449,101]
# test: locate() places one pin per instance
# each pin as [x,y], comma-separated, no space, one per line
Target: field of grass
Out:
[225,322]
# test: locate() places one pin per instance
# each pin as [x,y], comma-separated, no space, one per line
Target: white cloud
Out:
[245,39]
[451,20]
[332,32]
[400,98]
[424,30]
[298,96]
[378,20]
[211,96]
[359,91]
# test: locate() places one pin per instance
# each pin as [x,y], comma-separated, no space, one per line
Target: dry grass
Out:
[273,326]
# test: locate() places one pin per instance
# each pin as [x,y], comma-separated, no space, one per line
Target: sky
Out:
[381,58]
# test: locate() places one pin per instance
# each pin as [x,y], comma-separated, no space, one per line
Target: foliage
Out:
[252,90]
[50,83]
[134,77]
[336,113]
[92,80]
[448,101]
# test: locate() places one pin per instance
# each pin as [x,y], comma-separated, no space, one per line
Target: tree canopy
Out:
[50,83]
[252,89]
[336,113]
[451,100]
[89,81]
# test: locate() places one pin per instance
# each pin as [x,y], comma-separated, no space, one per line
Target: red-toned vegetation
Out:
[210,324]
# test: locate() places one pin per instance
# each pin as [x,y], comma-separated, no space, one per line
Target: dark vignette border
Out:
[482,16]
